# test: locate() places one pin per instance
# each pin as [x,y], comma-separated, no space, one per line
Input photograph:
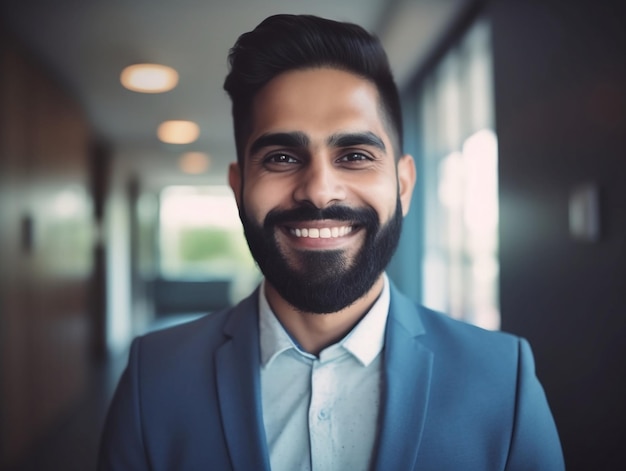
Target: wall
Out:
[560,72]
[45,255]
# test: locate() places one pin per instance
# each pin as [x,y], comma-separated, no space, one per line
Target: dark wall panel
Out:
[561,111]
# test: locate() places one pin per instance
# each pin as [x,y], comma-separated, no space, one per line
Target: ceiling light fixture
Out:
[194,163]
[178,132]
[149,78]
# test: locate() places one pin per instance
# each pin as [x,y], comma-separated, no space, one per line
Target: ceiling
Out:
[86,44]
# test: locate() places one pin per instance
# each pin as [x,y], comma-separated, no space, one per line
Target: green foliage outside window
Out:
[198,244]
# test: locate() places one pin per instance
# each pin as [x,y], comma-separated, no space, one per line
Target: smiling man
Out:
[326,366]
[322,197]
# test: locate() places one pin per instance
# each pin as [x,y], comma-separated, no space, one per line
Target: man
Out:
[326,366]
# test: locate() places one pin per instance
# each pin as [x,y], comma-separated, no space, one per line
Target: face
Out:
[320,194]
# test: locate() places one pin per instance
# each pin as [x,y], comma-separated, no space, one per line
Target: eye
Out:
[355,157]
[280,161]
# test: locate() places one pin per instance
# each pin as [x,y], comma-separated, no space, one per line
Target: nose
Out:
[320,184]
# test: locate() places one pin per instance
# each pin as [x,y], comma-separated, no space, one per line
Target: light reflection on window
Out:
[460,267]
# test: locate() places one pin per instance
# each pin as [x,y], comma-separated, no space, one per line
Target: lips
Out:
[321,233]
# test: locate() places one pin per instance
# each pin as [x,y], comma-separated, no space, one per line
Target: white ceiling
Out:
[86,43]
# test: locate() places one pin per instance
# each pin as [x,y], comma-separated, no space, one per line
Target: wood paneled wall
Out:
[45,252]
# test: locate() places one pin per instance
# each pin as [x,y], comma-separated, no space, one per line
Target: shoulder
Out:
[460,349]
[207,327]
[475,373]
[441,327]
[440,332]
[166,406]
[187,343]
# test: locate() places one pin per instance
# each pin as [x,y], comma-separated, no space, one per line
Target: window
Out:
[460,266]
[201,238]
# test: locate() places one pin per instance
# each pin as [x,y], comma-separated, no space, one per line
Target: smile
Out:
[321,233]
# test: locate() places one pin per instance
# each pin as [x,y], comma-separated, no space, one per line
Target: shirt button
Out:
[323,414]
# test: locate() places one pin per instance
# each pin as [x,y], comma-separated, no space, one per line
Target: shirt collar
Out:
[365,341]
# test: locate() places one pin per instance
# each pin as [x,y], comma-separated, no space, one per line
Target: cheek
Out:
[381,194]
[259,199]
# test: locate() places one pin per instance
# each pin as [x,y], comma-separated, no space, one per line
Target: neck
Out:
[314,332]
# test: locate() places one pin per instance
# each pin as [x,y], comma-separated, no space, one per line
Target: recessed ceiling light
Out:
[178,132]
[194,163]
[149,78]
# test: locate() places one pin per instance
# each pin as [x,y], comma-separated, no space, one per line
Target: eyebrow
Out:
[298,139]
[356,139]
[282,139]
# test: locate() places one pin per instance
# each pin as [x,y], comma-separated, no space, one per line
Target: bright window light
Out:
[461,268]
[201,237]
[480,156]
[450,188]
[70,202]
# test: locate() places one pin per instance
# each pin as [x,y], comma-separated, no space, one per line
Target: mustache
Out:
[366,217]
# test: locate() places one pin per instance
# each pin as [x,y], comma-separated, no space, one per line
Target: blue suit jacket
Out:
[455,397]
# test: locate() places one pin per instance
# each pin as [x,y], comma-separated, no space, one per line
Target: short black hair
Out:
[281,43]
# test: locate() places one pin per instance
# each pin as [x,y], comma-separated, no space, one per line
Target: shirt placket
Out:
[323,391]
[322,413]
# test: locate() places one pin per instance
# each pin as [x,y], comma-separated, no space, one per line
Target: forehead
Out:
[318,102]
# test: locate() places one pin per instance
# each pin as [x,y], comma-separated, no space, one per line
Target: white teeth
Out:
[323,233]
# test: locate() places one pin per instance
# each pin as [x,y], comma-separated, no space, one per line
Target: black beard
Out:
[324,281]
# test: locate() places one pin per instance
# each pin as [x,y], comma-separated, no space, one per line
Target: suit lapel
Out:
[407,374]
[239,391]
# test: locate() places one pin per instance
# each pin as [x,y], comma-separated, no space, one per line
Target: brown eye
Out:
[281,159]
[354,157]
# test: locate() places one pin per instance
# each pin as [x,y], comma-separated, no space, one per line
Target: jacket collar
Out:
[406,386]
[239,388]
[407,375]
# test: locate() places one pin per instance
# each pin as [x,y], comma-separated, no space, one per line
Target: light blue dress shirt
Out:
[321,414]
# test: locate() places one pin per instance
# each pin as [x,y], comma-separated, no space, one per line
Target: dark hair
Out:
[289,42]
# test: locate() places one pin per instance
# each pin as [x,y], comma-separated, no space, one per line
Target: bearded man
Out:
[326,366]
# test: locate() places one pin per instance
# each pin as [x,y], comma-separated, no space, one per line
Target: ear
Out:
[235,181]
[406,181]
